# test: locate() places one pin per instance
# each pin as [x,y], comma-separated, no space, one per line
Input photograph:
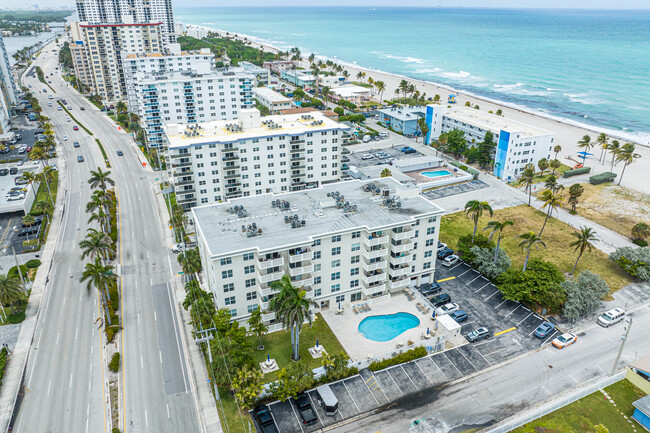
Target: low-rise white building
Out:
[342,242]
[278,66]
[262,75]
[352,93]
[272,100]
[518,143]
[215,161]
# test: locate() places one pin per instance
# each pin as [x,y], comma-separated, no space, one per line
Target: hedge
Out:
[576,171]
[33,263]
[597,179]
[3,362]
[101,147]
[409,355]
[13,271]
[114,365]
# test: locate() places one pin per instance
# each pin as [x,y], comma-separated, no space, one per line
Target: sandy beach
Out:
[566,135]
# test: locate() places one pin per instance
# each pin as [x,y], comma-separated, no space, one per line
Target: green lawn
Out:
[278,344]
[582,415]
[230,418]
[557,236]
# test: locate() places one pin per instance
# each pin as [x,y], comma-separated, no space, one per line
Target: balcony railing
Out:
[373,266]
[369,242]
[374,254]
[267,278]
[369,279]
[404,235]
[408,246]
[406,258]
[294,272]
[398,272]
[299,255]
[369,291]
[398,284]
[270,263]
[267,317]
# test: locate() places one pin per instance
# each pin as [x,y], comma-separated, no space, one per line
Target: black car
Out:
[443,254]
[306,410]
[33,230]
[13,170]
[82,108]
[431,289]
[80,158]
[120,153]
[264,418]
[37,221]
[440,300]
[4,172]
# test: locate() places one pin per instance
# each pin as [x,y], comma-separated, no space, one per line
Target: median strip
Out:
[101,147]
[505,331]
[74,118]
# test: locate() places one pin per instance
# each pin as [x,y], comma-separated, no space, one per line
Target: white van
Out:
[611,317]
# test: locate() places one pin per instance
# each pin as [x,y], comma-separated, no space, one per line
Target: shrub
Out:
[14,271]
[116,430]
[409,355]
[3,362]
[465,244]
[635,261]
[576,171]
[114,365]
[640,242]
[583,295]
[484,262]
[538,286]
[34,263]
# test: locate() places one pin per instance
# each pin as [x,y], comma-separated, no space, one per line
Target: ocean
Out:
[584,67]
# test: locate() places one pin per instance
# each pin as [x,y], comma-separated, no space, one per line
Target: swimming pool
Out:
[433,174]
[387,327]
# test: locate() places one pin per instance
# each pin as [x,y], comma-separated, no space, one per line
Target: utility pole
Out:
[620,349]
[19,271]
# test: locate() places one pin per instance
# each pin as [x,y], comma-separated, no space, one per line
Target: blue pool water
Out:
[435,173]
[385,328]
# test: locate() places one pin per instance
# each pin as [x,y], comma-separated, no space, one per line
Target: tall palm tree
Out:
[47,176]
[582,243]
[381,88]
[121,107]
[552,201]
[10,290]
[474,210]
[528,241]
[585,144]
[315,70]
[190,260]
[557,149]
[497,227]
[527,178]
[602,142]
[555,164]
[100,179]
[292,309]
[99,276]
[613,148]
[627,156]
[97,244]
[39,153]
[42,207]
[311,58]
[30,177]
[325,91]
[101,200]
[101,217]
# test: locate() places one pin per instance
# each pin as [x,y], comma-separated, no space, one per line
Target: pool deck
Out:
[346,327]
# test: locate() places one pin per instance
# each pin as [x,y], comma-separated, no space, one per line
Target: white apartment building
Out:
[342,242]
[130,11]
[79,56]
[272,100]
[518,143]
[262,76]
[185,89]
[277,66]
[8,91]
[216,161]
[105,44]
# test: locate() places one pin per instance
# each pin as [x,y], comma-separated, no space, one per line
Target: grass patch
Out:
[230,415]
[557,236]
[278,344]
[74,118]
[30,243]
[582,415]
[101,147]
[41,78]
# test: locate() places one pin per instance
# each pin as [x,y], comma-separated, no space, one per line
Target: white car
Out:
[450,260]
[68,120]
[564,340]
[441,246]
[366,156]
[14,197]
[59,108]
[178,248]
[447,309]
[50,97]
[65,138]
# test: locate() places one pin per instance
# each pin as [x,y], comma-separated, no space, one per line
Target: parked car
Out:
[450,260]
[306,410]
[565,340]
[75,144]
[4,172]
[29,231]
[20,181]
[447,309]
[440,300]
[443,254]
[430,289]
[544,330]
[29,149]
[177,248]
[478,334]
[459,316]
[22,149]
[15,196]
[611,317]
[405,148]
[13,170]
[120,153]
[264,418]
[37,221]
[441,246]
[366,156]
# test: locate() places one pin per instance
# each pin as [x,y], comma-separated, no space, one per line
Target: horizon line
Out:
[414,7]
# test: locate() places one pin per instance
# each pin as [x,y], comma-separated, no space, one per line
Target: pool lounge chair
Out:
[355,310]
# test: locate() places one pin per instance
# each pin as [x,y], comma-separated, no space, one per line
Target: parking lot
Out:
[393,152]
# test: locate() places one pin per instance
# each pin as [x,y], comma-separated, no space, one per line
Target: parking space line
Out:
[496,291]
[513,310]
[505,331]
[574,379]
[425,375]
[467,359]
[370,391]
[452,363]
[470,269]
[479,276]
[436,365]
[503,302]
[296,415]
[391,376]
[348,391]
[526,308]
[316,412]
[524,319]
[409,376]
[459,264]
[479,354]
[482,287]
[380,387]
[552,335]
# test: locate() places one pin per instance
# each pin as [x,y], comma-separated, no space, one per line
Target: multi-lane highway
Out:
[65,377]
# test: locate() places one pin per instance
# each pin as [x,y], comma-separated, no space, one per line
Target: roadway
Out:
[64,372]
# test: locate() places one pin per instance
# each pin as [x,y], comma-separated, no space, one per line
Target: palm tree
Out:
[97,244]
[555,164]
[292,308]
[602,142]
[121,107]
[325,91]
[315,70]
[101,217]
[30,177]
[543,165]
[553,201]
[311,58]
[10,290]
[557,149]
[101,200]
[42,207]
[28,220]
[613,148]
[527,178]
[39,153]
[497,226]
[583,242]
[100,179]
[359,75]
[585,144]
[190,260]
[99,276]
[385,173]
[47,175]
[474,210]
[381,88]
[627,156]
[528,241]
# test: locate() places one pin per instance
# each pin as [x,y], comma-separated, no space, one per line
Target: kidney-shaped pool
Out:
[387,327]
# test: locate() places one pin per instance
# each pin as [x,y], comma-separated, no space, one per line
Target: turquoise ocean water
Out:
[589,67]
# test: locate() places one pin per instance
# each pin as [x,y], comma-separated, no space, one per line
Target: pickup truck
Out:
[264,418]
[306,410]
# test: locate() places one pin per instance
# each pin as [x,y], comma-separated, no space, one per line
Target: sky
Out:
[559,4]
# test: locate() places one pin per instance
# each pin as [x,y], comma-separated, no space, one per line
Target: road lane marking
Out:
[141,362]
[168,415]
[88,388]
[70,386]
[76,333]
[146,419]
[138,318]
[57,338]
[446,279]
[49,385]
[64,300]
[176,331]
[505,331]
[155,316]
[160,356]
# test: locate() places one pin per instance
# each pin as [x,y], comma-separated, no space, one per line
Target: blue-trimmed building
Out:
[518,143]
[404,120]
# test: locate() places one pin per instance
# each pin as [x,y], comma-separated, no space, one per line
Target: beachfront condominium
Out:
[343,242]
[183,88]
[216,161]
[103,46]
[8,91]
[130,11]
[518,143]
[272,100]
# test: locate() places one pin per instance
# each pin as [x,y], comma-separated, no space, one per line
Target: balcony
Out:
[373,266]
[305,282]
[408,234]
[184,182]
[232,184]
[370,242]
[267,278]
[382,252]
[265,305]
[398,272]
[230,158]
[296,142]
[297,149]
[369,279]
[399,283]
[265,290]
[186,200]
[300,255]
[294,272]
[268,316]
[294,175]
[298,166]
[406,258]
[182,164]
[369,291]
[270,263]
[297,158]
[185,190]
[408,246]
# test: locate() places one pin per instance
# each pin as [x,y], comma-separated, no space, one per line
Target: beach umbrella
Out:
[427,331]
[583,154]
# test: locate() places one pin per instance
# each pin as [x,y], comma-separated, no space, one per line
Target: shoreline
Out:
[567,132]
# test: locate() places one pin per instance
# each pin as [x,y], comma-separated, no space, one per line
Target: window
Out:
[356,247]
[427,265]
[336,251]
[226,261]
[250,283]
[356,235]
[428,243]
[228,287]
[249,256]
[316,243]
[317,267]
[354,271]
[355,259]
[316,254]
[230,300]
[251,295]
[354,283]
[233,313]
[336,238]
[336,263]
[249,269]
[335,288]
[335,276]
[317,292]
[428,254]
[431,230]
[253,307]
[226,274]
[317,280]
[340,298]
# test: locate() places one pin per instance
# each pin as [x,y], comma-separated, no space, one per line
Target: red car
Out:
[76,128]
[29,149]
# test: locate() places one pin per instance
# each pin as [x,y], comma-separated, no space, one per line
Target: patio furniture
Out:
[425,312]
[355,310]
[400,344]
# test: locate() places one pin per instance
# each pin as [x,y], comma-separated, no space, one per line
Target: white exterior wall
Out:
[272,100]
[526,150]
